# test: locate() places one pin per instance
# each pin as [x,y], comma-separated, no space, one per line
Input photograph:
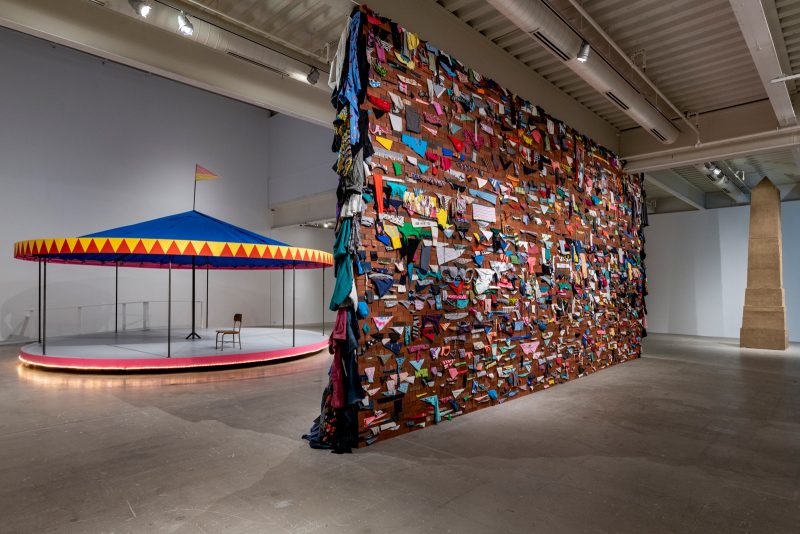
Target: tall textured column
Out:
[764,317]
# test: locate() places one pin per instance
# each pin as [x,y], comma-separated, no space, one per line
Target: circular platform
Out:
[147,350]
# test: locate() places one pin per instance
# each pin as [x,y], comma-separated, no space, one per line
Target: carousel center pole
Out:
[207,264]
[193,334]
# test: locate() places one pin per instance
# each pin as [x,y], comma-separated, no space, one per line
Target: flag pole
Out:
[194,196]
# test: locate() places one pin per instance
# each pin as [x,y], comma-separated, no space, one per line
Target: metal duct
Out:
[537,20]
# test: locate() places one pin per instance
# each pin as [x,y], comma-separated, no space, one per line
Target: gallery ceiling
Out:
[701,56]
[696,69]
[308,25]
[694,52]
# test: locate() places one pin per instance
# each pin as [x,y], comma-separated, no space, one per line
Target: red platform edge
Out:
[150,364]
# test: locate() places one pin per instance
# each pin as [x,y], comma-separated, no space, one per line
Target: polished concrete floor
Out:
[697,436]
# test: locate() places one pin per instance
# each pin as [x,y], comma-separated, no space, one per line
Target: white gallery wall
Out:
[87,145]
[309,286]
[697,270]
[300,162]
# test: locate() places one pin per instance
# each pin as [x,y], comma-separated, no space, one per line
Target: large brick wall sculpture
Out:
[485,250]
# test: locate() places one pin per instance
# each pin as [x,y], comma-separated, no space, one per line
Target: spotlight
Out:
[142,7]
[583,53]
[325,225]
[184,24]
[716,171]
[313,76]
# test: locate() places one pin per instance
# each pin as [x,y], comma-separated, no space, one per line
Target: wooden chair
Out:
[233,332]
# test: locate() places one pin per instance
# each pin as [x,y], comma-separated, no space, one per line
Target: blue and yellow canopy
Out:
[181,240]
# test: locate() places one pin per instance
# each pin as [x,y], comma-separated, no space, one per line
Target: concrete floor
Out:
[698,436]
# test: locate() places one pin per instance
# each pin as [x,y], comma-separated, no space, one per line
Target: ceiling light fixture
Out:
[583,53]
[142,7]
[313,76]
[184,24]
[716,174]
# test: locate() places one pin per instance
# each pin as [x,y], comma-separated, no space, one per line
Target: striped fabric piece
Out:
[483,213]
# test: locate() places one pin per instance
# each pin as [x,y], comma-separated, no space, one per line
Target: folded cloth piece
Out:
[397,190]
[384,142]
[378,181]
[529,348]
[353,205]
[382,285]
[413,122]
[417,145]
[488,197]
[395,347]
[397,102]
[445,254]
[484,213]
[433,119]
[379,103]
[425,258]
[483,279]
[394,236]
[382,321]
[397,122]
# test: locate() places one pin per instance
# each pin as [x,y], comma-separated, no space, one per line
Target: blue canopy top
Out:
[191,226]
[182,240]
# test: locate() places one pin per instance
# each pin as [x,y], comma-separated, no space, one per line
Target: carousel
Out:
[189,240]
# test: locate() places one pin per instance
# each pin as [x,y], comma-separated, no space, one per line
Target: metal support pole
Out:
[293,300]
[44,311]
[268,302]
[116,296]
[39,302]
[323,300]
[207,271]
[283,300]
[169,310]
[193,334]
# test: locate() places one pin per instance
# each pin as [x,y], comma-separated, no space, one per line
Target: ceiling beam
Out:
[788,137]
[755,29]
[719,125]
[108,34]
[678,186]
